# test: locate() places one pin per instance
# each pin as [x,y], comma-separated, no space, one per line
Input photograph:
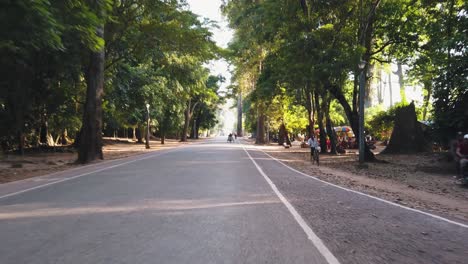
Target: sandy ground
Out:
[15,167]
[423,181]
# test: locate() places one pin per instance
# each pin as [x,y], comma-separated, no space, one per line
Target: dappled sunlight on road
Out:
[141,206]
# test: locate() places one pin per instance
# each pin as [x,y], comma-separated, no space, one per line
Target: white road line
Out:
[369,196]
[83,174]
[318,243]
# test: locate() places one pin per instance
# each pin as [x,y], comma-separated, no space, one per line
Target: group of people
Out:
[230,137]
[461,154]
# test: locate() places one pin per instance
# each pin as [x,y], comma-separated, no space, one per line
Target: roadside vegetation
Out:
[75,71]
[303,59]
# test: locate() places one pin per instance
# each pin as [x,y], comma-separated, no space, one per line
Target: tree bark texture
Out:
[319,108]
[330,130]
[91,137]
[186,122]
[260,137]
[239,114]
[310,109]
[283,136]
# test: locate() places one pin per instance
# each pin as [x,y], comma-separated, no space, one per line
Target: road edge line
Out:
[368,195]
[316,241]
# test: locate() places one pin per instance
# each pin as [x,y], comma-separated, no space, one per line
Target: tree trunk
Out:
[401,82]
[368,97]
[91,137]
[319,109]
[310,109]
[407,135]
[134,134]
[186,123]
[163,138]
[21,144]
[427,98]
[64,138]
[330,130]
[380,87]
[197,130]
[283,136]
[260,137]
[44,130]
[139,135]
[390,88]
[239,114]
[352,116]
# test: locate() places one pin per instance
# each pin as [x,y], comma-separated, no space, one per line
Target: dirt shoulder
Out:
[423,181]
[15,167]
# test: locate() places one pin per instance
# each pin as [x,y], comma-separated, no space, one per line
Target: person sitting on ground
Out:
[313,143]
[462,153]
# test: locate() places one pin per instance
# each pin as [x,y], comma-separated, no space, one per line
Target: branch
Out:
[386,44]
[380,60]
[193,107]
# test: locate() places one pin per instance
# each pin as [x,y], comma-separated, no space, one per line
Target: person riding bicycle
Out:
[313,143]
[462,153]
[230,138]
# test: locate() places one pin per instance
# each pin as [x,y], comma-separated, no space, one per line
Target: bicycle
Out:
[316,155]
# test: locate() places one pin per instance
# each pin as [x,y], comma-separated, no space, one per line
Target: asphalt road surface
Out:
[212,202]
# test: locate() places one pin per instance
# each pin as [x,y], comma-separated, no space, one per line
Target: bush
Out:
[380,122]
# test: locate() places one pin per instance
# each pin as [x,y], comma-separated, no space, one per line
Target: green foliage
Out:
[155,52]
[379,122]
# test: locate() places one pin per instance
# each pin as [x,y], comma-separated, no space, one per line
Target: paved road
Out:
[210,203]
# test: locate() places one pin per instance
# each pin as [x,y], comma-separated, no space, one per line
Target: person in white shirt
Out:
[313,143]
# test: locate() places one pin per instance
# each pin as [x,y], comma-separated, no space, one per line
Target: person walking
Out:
[313,144]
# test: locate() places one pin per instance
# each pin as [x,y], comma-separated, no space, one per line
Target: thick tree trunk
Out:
[260,137]
[139,134]
[319,108]
[310,109]
[186,123]
[283,136]
[91,138]
[21,144]
[239,114]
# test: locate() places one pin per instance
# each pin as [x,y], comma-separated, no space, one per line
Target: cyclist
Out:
[313,144]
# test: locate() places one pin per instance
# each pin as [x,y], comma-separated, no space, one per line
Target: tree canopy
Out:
[310,52]
[63,62]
